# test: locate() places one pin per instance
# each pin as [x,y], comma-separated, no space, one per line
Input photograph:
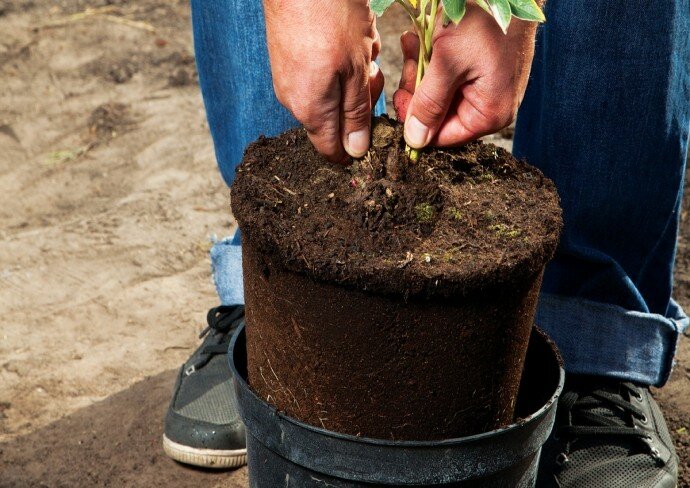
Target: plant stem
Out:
[422,49]
[410,10]
[414,153]
[424,27]
[428,40]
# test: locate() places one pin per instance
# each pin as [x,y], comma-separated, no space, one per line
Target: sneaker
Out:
[608,434]
[202,426]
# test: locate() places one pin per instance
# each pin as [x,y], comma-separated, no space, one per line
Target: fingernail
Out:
[373,69]
[357,143]
[416,133]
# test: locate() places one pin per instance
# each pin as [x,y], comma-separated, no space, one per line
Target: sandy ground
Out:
[109,197]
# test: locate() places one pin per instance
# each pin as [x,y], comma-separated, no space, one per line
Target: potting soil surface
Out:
[454,221]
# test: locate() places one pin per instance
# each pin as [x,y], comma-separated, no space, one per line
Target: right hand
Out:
[474,84]
[322,56]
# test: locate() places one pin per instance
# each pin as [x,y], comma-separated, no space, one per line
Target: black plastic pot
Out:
[283,452]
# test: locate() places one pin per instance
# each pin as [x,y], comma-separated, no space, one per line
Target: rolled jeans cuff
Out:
[226,267]
[606,340]
[594,338]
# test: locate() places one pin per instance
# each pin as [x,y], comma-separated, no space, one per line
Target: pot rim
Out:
[403,443]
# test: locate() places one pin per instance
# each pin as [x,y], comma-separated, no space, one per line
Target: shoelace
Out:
[221,322]
[585,418]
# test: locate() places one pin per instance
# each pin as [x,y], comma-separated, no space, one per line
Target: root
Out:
[392,168]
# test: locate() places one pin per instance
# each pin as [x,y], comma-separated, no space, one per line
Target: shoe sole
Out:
[205,458]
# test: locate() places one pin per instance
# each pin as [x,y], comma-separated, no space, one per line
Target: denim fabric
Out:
[226,265]
[235,78]
[605,116]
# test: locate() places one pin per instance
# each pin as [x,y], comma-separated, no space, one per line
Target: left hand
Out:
[324,74]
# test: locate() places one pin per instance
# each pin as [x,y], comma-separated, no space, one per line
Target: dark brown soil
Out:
[392,299]
[468,219]
[381,367]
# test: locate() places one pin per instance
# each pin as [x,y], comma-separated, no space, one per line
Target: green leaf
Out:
[446,19]
[455,9]
[482,4]
[500,9]
[527,10]
[380,6]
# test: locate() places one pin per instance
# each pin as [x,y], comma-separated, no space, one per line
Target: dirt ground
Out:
[109,199]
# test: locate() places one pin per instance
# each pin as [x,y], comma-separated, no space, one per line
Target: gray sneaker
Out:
[608,434]
[202,426]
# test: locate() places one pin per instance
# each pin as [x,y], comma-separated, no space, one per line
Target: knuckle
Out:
[331,62]
[301,110]
[308,111]
[280,93]
[496,113]
[322,124]
[501,116]
[428,105]
[328,130]
[358,109]
[443,44]
[325,138]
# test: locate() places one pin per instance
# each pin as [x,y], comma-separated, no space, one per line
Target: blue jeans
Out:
[606,116]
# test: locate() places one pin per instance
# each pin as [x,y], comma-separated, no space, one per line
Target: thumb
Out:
[430,103]
[356,112]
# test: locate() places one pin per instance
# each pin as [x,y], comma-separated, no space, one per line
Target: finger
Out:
[403,96]
[376,82]
[376,46]
[321,119]
[356,112]
[401,102]
[466,125]
[408,76]
[430,103]
[409,42]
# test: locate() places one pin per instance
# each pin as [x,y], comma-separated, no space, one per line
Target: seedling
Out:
[424,212]
[424,15]
[503,230]
[455,213]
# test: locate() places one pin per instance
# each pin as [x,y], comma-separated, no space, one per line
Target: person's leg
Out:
[236,84]
[606,116]
[235,78]
[202,426]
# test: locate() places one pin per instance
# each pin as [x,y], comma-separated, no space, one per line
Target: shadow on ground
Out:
[115,442]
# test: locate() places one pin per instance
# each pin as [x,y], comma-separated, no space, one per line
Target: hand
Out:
[323,72]
[474,84]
